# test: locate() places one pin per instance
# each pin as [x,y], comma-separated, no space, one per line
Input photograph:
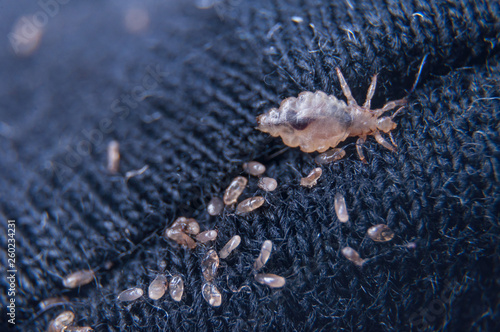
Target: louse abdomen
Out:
[313,121]
[296,122]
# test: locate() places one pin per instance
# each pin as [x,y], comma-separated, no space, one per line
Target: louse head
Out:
[386,124]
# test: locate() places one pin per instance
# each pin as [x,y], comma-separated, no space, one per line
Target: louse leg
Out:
[383,142]
[359,148]
[392,140]
[345,88]
[371,92]
[389,106]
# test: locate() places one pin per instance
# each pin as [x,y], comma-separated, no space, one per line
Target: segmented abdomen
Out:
[312,121]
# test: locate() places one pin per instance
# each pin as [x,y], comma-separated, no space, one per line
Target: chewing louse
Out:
[317,121]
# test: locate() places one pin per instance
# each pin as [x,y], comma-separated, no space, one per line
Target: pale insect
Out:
[380,233]
[78,329]
[353,256]
[78,278]
[341,208]
[209,265]
[157,288]
[250,204]
[265,252]
[187,225]
[53,301]
[271,280]
[211,294]
[215,206]
[230,246]
[330,156]
[176,288]
[131,174]
[254,168]
[113,156]
[178,235]
[180,229]
[62,321]
[130,294]
[267,184]
[234,190]
[311,180]
[317,121]
[207,236]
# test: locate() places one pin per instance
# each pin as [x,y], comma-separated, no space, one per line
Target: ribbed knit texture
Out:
[220,68]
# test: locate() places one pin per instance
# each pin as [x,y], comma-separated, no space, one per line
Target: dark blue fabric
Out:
[182,97]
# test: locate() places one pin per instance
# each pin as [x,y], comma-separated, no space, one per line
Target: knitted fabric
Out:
[182,99]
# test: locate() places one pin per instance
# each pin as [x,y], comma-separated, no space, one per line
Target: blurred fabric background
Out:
[178,84]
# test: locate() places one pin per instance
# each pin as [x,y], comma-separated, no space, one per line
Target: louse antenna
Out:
[395,113]
[418,74]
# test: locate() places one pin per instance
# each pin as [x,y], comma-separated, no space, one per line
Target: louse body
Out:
[78,278]
[157,288]
[130,294]
[254,168]
[265,252]
[209,265]
[232,244]
[250,204]
[234,190]
[311,180]
[267,184]
[271,280]
[176,288]
[207,236]
[353,256]
[215,206]
[341,208]
[211,294]
[317,121]
[62,321]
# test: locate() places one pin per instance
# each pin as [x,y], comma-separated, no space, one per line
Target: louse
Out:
[78,278]
[267,184]
[380,233]
[311,179]
[180,230]
[254,168]
[62,321]
[157,288]
[250,204]
[215,206]
[130,294]
[265,252]
[341,208]
[271,280]
[209,265]
[234,190]
[232,244]
[176,288]
[113,157]
[317,121]
[78,329]
[187,225]
[207,236]
[353,256]
[53,301]
[211,294]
